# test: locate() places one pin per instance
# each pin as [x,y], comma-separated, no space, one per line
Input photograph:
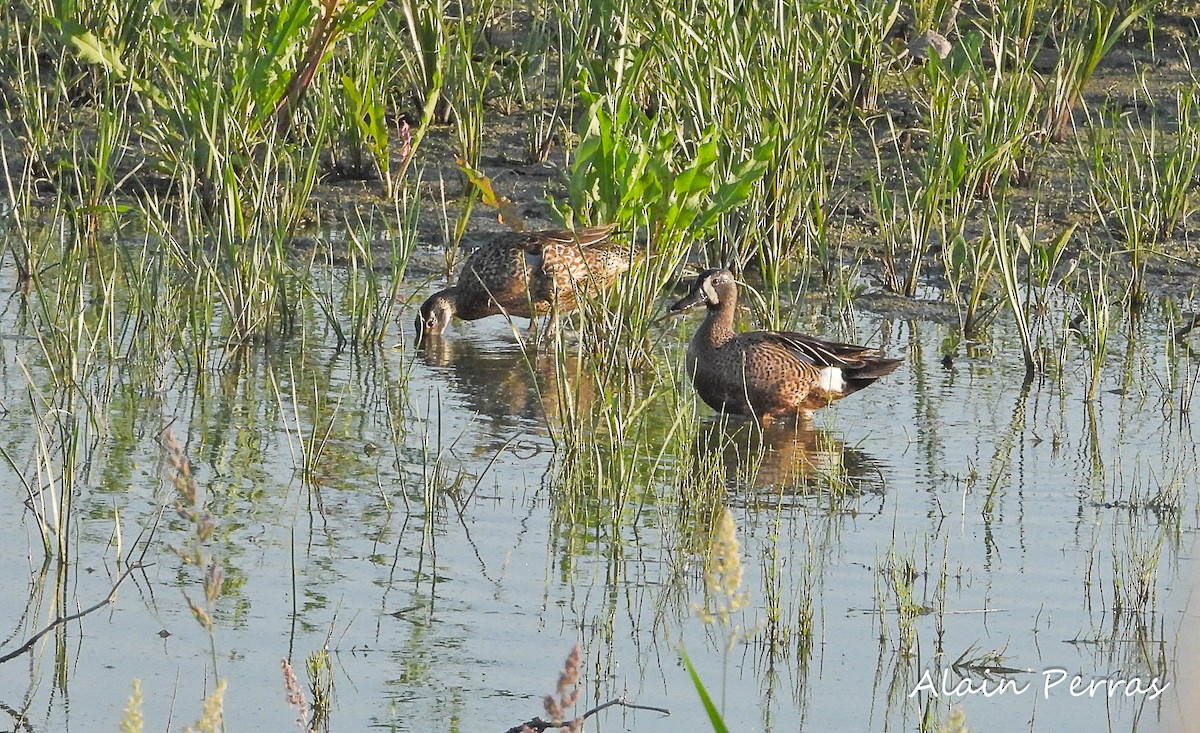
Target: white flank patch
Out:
[831,380]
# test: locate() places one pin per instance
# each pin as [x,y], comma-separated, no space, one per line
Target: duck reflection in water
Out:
[794,459]
[500,381]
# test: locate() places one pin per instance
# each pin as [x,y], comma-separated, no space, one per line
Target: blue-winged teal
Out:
[527,274]
[768,374]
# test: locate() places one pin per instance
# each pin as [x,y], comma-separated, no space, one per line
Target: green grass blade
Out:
[714,715]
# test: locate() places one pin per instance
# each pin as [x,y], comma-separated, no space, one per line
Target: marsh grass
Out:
[359,299]
[1094,323]
[897,581]
[1091,28]
[72,317]
[789,628]
[684,135]
[421,28]
[726,69]
[191,507]
[216,102]
[469,76]
[540,91]
[320,679]
[362,97]
[1029,269]
[613,454]
[1135,567]
[1142,179]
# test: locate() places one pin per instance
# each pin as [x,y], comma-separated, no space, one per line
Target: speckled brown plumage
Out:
[527,274]
[768,374]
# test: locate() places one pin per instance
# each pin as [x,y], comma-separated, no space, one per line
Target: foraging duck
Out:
[527,274]
[767,374]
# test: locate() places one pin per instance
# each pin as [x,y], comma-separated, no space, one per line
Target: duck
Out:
[768,375]
[527,274]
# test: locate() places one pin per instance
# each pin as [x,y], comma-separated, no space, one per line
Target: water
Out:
[430,546]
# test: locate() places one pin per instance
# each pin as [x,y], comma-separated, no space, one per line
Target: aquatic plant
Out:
[426,37]
[1143,179]
[364,102]
[1090,33]
[1024,288]
[131,720]
[212,719]
[896,580]
[321,687]
[295,697]
[190,507]
[710,708]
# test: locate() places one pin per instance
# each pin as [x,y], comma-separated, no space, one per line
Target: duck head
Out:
[713,288]
[435,315]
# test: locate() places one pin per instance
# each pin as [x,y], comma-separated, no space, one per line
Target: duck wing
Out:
[815,351]
[574,260]
[860,362]
[526,272]
[582,238]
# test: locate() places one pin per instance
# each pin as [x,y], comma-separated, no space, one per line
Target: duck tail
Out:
[871,370]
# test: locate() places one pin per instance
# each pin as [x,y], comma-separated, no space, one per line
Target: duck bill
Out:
[691,300]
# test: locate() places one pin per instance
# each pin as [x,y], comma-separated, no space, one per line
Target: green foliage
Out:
[710,708]
[862,29]
[1142,179]
[89,48]
[217,88]
[362,109]
[630,170]
[424,33]
[1091,34]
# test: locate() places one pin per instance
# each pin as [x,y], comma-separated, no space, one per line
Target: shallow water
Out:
[431,546]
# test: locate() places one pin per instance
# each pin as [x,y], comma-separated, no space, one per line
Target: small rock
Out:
[919,46]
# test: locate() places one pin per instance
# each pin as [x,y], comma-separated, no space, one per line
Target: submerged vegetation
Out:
[219,217]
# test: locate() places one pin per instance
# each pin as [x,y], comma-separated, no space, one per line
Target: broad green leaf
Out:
[92,50]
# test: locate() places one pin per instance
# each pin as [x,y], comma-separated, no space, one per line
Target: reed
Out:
[1091,31]
[1094,323]
[361,103]
[1141,181]
[420,27]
